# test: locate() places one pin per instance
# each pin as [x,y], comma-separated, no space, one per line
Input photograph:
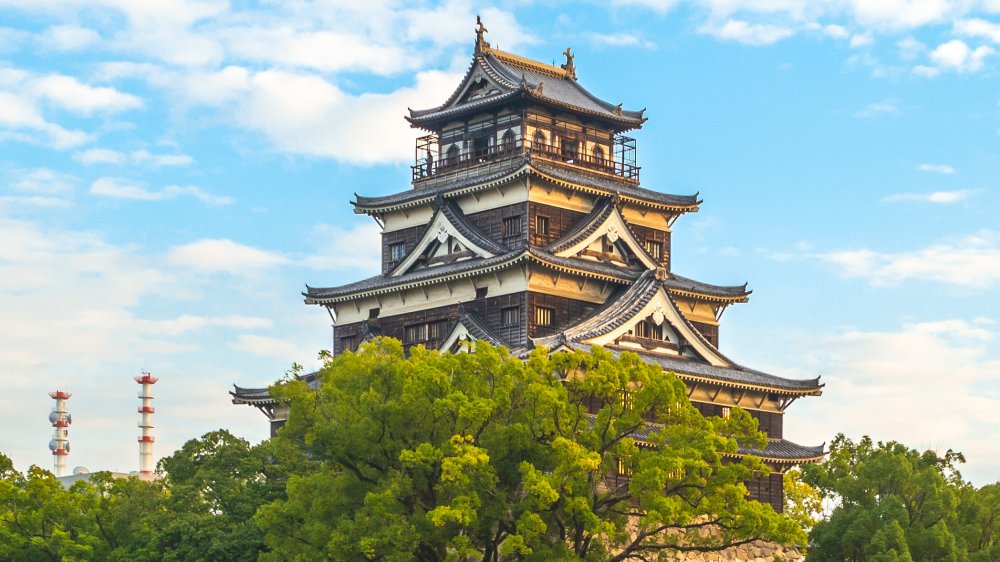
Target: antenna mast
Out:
[60,419]
[146,439]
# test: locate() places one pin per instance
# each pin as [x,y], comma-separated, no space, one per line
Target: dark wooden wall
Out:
[643,233]
[771,423]
[710,332]
[565,313]
[768,489]
[490,222]
[490,309]
[560,220]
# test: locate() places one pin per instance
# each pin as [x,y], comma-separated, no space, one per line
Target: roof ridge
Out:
[525,62]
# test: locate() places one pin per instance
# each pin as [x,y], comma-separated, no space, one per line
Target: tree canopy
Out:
[482,456]
[894,504]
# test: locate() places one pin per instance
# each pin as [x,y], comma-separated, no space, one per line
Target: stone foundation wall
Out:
[757,551]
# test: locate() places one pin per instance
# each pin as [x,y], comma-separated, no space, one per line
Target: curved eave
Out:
[623,195]
[543,260]
[627,123]
[426,121]
[430,279]
[360,206]
[710,297]
[772,389]
[252,396]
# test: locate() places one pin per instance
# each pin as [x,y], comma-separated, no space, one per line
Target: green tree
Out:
[896,503]
[42,520]
[803,503]
[485,457]
[215,485]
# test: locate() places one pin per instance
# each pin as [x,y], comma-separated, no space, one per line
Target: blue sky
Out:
[173,173]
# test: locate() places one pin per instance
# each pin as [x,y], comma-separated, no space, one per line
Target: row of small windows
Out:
[416,333]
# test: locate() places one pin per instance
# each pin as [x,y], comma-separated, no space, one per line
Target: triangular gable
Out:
[469,328]
[479,83]
[667,317]
[613,226]
[449,233]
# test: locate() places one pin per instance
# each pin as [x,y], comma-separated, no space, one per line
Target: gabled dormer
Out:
[604,236]
[508,106]
[448,238]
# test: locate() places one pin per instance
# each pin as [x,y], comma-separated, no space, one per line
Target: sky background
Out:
[173,173]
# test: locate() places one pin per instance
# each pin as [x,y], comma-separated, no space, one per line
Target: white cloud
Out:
[116,188]
[159,160]
[936,168]
[748,33]
[886,108]
[43,181]
[357,247]
[69,37]
[661,6]
[72,95]
[978,28]
[618,40]
[900,14]
[877,384]
[93,156]
[861,40]
[223,256]
[941,197]
[910,48]
[972,262]
[836,31]
[306,114]
[18,114]
[268,346]
[956,55]
[190,323]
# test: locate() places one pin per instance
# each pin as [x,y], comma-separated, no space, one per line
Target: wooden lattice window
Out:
[511,226]
[655,249]
[543,316]
[510,316]
[541,225]
[397,252]
[349,343]
[416,333]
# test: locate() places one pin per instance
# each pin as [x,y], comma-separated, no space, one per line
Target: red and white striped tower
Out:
[60,418]
[146,439]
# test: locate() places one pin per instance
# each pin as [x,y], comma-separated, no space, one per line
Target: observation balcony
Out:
[482,156]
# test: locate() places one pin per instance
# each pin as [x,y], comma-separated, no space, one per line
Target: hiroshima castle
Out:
[526,226]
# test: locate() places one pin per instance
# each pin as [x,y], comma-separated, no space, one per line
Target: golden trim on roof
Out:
[526,63]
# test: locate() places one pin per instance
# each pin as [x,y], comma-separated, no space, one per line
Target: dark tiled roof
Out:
[784,450]
[596,268]
[584,228]
[488,176]
[613,314]
[685,284]
[380,284]
[261,396]
[518,76]
[478,328]
[451,185]
[611,186]
[735,375]
[469,230]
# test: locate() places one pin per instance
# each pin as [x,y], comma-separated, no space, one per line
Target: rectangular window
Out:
[626,400]
[543,316]
[541,225]
[397,251]
[348,343]
[725,411]
[655,249]
[481,292]
[510,316]
[434,330]
[416,333]
[623,468]
[511,226]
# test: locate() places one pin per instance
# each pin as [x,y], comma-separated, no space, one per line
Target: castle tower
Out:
[526,225]
[60,419]
[146,423]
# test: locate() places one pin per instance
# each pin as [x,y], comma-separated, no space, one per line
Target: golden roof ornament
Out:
[540,88]
[481,30]
[569,67]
